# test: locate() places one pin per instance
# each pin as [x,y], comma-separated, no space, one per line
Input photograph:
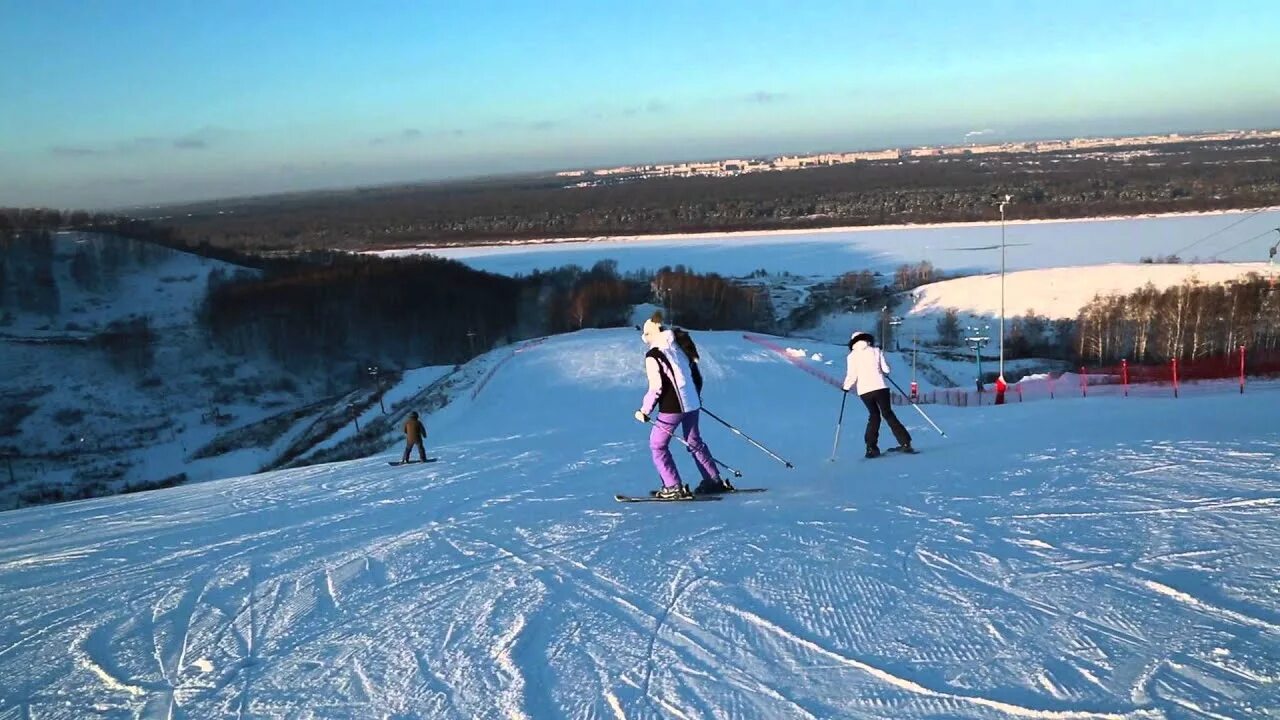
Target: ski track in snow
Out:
[1125,576]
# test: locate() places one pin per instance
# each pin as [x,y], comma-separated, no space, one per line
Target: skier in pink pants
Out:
[674,389]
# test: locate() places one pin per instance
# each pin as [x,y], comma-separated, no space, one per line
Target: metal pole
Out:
[978,354]
[839,422]
[1006,201]
[917,407]
[744,436]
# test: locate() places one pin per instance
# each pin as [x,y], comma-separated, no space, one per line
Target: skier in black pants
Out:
[867,369]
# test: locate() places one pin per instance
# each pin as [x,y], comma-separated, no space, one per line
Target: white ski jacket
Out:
[678,393]
[866,368]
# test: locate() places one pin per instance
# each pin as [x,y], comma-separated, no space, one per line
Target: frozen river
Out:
[1236,236]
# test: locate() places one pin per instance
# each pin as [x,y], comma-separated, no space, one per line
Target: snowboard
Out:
[895,451]
[394,463]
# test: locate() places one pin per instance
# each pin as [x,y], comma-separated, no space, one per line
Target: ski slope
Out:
[1083,558]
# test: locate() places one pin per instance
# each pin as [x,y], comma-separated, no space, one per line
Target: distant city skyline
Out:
[117,104]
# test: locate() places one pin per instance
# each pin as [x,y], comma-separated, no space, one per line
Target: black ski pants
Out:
[878,403]
[409,445]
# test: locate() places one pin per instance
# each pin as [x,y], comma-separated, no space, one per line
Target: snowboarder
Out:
[867,369]
[675,388]
[414,432]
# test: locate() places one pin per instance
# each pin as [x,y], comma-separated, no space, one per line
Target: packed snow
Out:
[1098,557]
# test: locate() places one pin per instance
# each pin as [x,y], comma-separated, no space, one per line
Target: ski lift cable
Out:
[1219,231]
[986,247]
[1242,243]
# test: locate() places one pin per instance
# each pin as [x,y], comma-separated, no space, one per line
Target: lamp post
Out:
[1007,199]
[1271,254]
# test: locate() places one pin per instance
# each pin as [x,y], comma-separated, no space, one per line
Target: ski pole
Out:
[839,422]
[743,435]
[917,407]
[736,472]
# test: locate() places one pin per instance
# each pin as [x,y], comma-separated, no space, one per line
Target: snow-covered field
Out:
[824,254]
[1083,558]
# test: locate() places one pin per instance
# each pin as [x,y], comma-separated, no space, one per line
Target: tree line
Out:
[1187,322]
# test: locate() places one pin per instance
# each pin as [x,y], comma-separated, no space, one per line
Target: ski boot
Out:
[711,487]
[905,449]
[678,492]
[873,451]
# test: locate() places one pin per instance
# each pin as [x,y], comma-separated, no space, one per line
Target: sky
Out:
[115,103]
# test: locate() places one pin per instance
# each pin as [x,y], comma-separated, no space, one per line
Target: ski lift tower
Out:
[894,322]
[976,342]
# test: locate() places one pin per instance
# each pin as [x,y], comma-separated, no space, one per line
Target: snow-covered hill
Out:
[1061,292]
[1052,293]
[79,418]
[1085,558]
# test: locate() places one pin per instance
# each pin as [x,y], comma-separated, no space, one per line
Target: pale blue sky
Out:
[110,102]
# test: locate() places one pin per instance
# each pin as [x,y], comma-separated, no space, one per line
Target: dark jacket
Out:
[414,431]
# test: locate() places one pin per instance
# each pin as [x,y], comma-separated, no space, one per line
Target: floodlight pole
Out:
[1007,198]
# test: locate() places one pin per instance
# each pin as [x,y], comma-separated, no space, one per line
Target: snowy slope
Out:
[1051,292]
[1088,558]
[1062,292]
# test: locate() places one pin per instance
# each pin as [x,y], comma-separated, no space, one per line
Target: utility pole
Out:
[1271,259]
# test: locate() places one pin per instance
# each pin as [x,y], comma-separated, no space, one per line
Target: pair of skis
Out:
[652,497]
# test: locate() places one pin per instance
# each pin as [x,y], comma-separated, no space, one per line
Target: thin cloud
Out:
[200,139]
[978,133]
[527,125]
[140,144]
[404,136]
[652,107]
[764,97]
[73,151]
